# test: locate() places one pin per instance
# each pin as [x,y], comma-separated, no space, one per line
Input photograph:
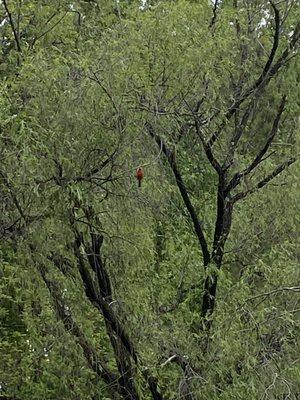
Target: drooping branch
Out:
[183,191]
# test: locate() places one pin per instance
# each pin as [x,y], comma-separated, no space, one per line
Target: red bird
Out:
[139,175]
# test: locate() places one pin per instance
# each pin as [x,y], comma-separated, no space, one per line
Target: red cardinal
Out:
[139,175]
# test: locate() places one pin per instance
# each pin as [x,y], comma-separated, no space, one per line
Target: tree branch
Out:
[13,28]
[259,83]
[95,170]
[99,302]
[214,18]
[110,317]
[35,39]
[188,373]
[294,289]
[259,158]
[208,150]
[284,57]
[237,136]
[183,191]
[13,195]
[70,325]
[265,181]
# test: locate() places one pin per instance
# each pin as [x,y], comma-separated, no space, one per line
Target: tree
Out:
[110,290]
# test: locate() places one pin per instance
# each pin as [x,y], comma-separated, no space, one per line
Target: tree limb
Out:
[214,18]
[208,150]
[259,83]
[259,158]
[35,39]
[13,195]
[13,28]
[265,181]
[183,191]
[237,136]
[110,317]
[70,325]
[99,302]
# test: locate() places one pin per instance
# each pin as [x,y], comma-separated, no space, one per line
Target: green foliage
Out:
[74,107]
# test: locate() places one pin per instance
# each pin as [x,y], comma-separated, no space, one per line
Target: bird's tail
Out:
[140,182]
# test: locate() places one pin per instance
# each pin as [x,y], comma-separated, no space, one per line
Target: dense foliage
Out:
[188,286]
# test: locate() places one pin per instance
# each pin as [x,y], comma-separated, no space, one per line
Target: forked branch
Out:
[264,181]
[261,81]
[259,158]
